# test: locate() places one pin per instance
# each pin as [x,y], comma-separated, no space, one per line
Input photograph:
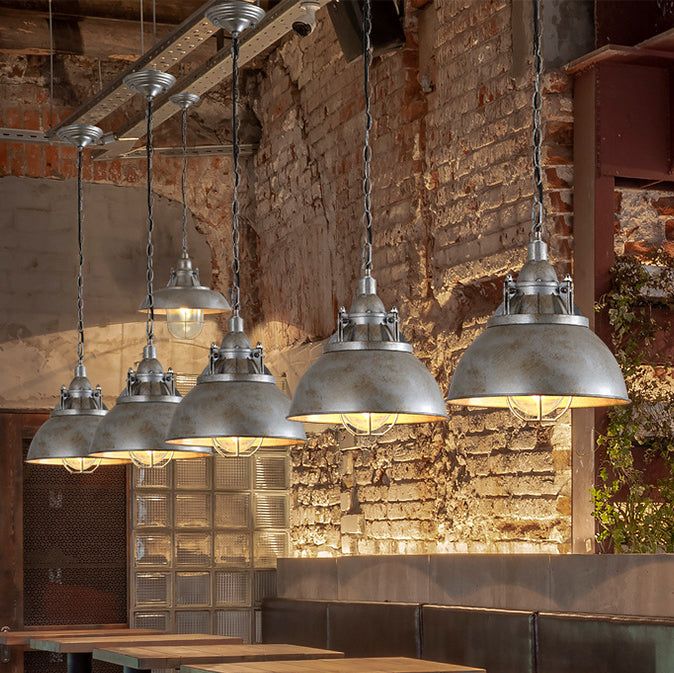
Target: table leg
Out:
[128,669]
[79,662]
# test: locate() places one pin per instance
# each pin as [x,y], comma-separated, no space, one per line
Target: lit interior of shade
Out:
[336,418]
[213,441]
[116,460]
[185,323]
[176,454]
[501,401]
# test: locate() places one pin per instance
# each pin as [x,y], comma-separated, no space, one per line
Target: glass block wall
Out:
[206,533]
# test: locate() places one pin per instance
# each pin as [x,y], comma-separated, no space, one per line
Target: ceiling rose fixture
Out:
[66,437]
[538,356]
[235,407]
[185,301]
[368,378]
[136,427]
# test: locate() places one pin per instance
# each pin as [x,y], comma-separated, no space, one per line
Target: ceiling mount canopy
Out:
[537,356]
[65,439]
[136,428]
[235,407]
[185,301]
[367,379]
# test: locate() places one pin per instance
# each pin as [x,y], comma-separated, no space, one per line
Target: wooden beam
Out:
[25,32]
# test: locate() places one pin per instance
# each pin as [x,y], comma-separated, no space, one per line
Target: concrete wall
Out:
[631,584]
[38,252]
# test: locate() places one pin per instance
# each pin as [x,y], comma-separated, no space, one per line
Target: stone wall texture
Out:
[451,196]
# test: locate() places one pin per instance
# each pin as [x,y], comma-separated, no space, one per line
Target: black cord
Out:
[149,326]
[80,274]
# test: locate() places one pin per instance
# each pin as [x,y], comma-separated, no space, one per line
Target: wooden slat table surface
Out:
[166,656]
[361,665]
[89,643]
[12,638]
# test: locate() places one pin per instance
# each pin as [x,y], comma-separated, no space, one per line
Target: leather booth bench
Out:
[502,641]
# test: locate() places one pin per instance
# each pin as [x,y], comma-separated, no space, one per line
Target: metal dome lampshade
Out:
[367,379]
[185,301]
[235,407]
[136,427]
[538,356]
[65,438]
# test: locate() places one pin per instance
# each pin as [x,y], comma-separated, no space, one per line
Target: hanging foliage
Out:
[634,495]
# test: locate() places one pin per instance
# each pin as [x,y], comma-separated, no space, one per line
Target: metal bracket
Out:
[5,652]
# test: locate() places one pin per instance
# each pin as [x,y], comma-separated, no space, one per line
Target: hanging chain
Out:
[183,179]
[367,152]
[149,325]
[537,102]
[80,268]
[236,263]
[51,65]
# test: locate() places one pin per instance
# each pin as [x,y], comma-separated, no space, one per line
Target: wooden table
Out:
[16,638]
[365,665]
[79,649]
[141,659]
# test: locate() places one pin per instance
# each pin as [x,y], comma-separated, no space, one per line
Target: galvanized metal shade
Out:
[368,376]
[235,402]
[538,352]
[136,428]
[184,290]
[68,433]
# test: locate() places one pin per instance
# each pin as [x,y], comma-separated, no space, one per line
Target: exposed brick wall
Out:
[452,194]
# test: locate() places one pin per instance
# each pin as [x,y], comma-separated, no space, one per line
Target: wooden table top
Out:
[12,638]
[168,656]
[362,665]
[88,643]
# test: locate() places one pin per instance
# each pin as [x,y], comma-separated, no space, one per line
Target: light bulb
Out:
[81,465]
[156,459]
[185,323]
[367,423]
[539,408]
[237,446]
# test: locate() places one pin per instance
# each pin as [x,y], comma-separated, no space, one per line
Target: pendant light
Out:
[235,407]
[185,301]
[66,437]
[136,427]
[368,378]
[538,356]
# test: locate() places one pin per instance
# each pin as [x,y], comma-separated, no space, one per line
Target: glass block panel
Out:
[152,478]
[232,549]
[152,510]
[258,626]
[193,621]
[233,623]
[232,510]
[153,550]
[271,510]
[232,474]
[264,585]
[153,589]
[232,588]
[269,545]
[151,620]
[193,473]
[193,588]
[193,549]
[193,510]
[271,472]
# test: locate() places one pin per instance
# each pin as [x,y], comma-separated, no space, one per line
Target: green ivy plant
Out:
[634,512]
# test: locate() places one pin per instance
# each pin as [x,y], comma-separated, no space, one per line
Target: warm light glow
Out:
[146,459]
[368,423]
[185,323]
[539,408]
[237,446]
[81,465]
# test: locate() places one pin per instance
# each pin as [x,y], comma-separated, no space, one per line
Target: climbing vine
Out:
[634,494]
